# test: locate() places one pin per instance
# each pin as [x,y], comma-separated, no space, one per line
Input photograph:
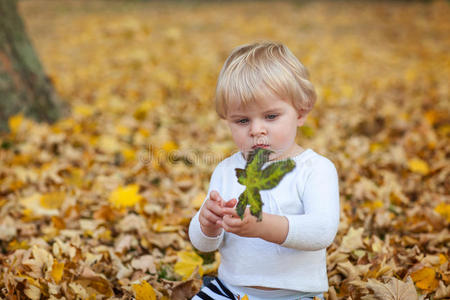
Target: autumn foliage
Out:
[97,205]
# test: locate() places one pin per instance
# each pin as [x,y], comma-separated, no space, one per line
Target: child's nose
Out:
[257,128]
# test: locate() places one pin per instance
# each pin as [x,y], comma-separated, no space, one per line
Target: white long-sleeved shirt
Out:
[308,197]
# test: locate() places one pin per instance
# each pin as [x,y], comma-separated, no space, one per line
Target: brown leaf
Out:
[144,263]
[352,240]
[186,290]
[394,289]
[443,292]
[91,280]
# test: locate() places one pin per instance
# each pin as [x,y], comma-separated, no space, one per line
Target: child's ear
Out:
[301,118]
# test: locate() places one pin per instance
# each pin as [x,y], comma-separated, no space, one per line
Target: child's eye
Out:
[242,121]
[271,116]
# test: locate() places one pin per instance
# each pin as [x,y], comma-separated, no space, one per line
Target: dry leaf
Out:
[186,290]
[57,271]
[188,262]
[125,196]
[443,292]
[146,263]
[142,120]
[352,240]
[144,291]
[419,166]
[444,210]
[425,279]
[394,289]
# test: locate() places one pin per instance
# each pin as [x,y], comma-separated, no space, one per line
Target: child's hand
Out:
[272,228]
[211,214]
[247,227]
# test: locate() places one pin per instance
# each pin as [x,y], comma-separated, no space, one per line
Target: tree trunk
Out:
[24,87]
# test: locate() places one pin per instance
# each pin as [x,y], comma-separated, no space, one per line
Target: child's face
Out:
[269,123]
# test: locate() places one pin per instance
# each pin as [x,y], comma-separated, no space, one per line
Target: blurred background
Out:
[97,203]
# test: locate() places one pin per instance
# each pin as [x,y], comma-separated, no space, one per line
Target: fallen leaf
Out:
[197,201]
[186,290]
[188,262]
[57,271]
[425,279]
[33,206]
[146,263]
[393,289]
[443,292]
[444,210]
[352,240]
[144,291]
[419,166]
[14,123]
[125,196]
[52,200]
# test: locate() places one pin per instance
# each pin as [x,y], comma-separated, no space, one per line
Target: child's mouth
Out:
[260,146]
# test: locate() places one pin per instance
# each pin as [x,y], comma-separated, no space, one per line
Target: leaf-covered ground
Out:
[97,205]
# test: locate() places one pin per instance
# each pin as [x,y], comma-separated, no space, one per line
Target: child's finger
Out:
[231,223]
[211,217]
[214,207]
[215,196]
[230,211]
[230,203]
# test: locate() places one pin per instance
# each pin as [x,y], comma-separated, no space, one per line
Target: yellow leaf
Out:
[141,112]
[187,263]
[169,146]
[374,147]
[419,166]
[144,291]
[14,245]
[373,205]
[198,200]
[108,144]
[83,110]
[144,132]
[444,210]
[75,177]
[125,196]
[122,130]
[425,279]
[14,123]
[245,297]
[129,154]
[57,271]
[33,206]
[52,200]
[347,91]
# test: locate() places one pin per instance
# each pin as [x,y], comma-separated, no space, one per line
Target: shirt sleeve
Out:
[317,227]
[198,239]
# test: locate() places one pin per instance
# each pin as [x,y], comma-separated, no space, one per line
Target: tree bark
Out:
[24,87]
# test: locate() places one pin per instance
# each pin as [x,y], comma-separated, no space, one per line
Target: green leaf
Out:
[254,198]
[241,175]
[273,174]
[255,179]
[242,204]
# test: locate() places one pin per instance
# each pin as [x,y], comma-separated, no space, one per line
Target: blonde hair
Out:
[251,71]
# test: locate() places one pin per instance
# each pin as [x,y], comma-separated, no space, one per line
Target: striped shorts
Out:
[216,290]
